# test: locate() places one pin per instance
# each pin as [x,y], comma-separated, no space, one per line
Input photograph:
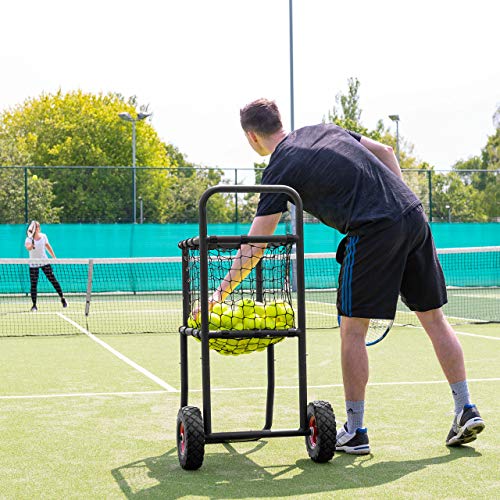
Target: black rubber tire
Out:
[320,443]
[190,438]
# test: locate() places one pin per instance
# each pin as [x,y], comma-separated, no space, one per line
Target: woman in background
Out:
[37,243]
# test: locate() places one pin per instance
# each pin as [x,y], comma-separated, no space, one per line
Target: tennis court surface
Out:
[90,394]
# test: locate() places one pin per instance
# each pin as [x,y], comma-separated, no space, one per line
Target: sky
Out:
[197,62]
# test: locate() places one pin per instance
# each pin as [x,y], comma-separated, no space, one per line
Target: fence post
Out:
[429,178]
[236,195]
[26,195]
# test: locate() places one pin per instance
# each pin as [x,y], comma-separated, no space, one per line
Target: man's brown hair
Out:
[262,117]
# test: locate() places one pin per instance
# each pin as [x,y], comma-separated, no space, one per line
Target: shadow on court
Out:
[235,475]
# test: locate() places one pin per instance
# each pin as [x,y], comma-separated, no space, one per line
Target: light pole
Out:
[449,212]
[292,100]
[128,118]
[292,128]
[141,210]
[395,118]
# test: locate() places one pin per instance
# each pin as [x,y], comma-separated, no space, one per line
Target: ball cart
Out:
[278,278]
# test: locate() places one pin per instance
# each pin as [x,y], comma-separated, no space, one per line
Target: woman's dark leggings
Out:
[47,270]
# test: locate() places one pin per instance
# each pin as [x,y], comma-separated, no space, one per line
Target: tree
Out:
[346,113]
[191,181]
[83,130]
[348,116]
[481,174]
[13,180]
[460,200]
[251,200]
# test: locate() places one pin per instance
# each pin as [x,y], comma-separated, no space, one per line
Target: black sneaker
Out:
[356,443]
[466,426]
[63,302]
[34,309]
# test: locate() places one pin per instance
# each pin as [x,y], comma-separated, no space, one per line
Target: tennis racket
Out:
[30,232]
[378,328]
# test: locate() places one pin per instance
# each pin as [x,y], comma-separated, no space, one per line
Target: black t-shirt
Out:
[339,180]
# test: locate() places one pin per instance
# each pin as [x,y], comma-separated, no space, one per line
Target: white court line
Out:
[230,389]
[479,336]
[327,386]
[119,355]
[466,334]
[84,395]
[409,326]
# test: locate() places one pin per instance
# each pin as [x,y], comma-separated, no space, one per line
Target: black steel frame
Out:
[205,243]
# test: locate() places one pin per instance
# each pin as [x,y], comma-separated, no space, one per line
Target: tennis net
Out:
[104,296]
[134,295]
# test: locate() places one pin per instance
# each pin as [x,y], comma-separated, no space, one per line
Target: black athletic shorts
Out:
[400,259]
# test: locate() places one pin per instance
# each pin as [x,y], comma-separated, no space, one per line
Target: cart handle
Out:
[299,245]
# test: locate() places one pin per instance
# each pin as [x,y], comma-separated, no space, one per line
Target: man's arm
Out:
[247,257]
[384,153]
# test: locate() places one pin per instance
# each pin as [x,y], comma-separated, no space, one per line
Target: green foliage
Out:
[480,174]
[79,129]
[182,203]
[456,199]
[15,179]
[472,192]
[348,115]
[248,208]
[189,182]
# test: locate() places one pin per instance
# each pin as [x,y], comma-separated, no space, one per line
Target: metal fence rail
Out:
[80,194]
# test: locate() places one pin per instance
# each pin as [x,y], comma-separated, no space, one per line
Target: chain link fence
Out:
[170,195]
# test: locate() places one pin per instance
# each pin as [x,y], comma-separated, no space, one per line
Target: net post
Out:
[89,286]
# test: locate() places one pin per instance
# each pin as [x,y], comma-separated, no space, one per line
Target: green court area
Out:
[83,419]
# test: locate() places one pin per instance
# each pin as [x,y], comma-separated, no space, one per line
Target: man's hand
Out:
[197,308]
[245,260]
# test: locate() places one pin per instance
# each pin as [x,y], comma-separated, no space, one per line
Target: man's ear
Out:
[252,136]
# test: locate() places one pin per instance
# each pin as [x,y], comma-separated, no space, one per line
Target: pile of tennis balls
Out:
[247,314]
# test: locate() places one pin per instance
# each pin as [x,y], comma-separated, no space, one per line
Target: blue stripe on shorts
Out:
[350,252]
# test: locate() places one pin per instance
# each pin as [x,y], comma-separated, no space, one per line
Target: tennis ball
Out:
[281,325]
[238,312]
[260,309]
[191,322]
[237,324]
[270,309]
[270,323]
[284,314]
[219,308]
[249,323]
[248,306]
[232,319]
[226,320]
[260,323]
[35,177]
[214,321]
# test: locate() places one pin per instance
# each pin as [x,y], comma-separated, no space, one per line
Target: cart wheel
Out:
[190,438]
[320,443]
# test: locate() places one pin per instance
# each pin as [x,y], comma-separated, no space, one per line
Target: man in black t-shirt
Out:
[354,184]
